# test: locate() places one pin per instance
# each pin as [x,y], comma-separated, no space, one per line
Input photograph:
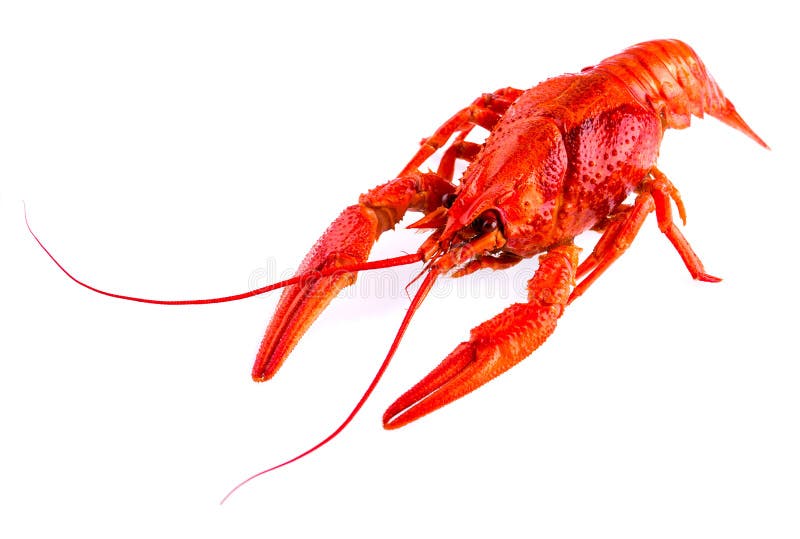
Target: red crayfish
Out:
[560,158]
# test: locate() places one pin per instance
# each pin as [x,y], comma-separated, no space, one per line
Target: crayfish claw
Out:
[428,394]
[496,345]
[347,241]
[346,244]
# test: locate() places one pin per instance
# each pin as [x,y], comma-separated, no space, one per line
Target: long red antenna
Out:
[415,303]
[389,262]
[377,264]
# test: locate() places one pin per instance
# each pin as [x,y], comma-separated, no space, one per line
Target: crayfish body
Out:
[560,158]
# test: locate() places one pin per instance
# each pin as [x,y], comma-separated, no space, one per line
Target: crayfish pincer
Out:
[561,158]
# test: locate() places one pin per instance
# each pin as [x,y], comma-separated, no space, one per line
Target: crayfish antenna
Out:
[427,284]
[300,278]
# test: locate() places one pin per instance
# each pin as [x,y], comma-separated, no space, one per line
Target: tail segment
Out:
[670,76]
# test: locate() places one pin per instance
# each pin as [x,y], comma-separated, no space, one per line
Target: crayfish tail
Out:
[727,114]
[669,76]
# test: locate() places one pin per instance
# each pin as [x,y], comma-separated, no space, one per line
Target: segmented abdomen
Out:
[669,76]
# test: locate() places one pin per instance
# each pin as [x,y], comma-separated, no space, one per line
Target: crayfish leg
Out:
[656,194]
[663,191]
[485,112]
[615,240]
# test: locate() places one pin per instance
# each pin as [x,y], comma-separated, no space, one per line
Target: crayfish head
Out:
[483,236]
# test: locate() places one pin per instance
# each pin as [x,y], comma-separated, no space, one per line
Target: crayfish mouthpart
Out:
[490,242]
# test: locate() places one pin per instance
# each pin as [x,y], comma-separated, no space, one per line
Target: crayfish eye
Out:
[448,199]
[486,222]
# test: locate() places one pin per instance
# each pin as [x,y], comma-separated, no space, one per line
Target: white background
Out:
[194,149]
